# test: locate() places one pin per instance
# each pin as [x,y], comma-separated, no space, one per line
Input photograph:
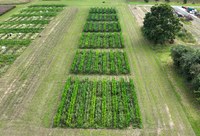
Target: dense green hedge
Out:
[187,62]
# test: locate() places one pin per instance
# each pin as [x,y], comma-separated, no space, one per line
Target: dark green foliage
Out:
[20,30]
[45,6]
[26,22]
[6,59]
[102,27]
[98,104]
[187,61]
[101,40]
[160,25]
[102,17]
[184,1]
[94,62]
[20,42]
[146,1]
[45,14]
[39,9]
[102,11]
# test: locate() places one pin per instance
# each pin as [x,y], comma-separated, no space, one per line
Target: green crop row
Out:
[98,104]
[13,42]
[26,22]
[45,14]
[20,30]
[102,11]
[102,27]
[102,17]
[42,9]
[101,40]
[95,62]
[48,6]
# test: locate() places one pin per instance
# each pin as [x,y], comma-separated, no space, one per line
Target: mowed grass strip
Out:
[100,62]
[98,104]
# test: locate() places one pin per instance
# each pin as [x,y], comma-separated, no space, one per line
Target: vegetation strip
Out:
[101,40]
[84,109]
[187,62]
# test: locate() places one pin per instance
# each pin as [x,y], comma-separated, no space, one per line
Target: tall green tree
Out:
[160,25]
[187,62]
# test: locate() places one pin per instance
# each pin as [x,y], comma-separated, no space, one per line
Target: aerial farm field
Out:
[83,67]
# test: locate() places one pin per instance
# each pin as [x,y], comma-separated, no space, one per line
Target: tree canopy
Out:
[187,61]
[160,25]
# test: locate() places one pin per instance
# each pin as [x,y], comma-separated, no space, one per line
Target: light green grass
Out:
[183,92]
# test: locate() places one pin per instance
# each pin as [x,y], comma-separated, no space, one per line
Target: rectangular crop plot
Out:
[102,17]
[95,62]
[102,11]
[98,104]
[102,27]
[101,40]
